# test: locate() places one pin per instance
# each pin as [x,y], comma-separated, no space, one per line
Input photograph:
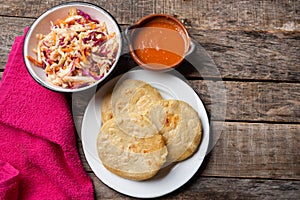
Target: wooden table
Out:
[256,48]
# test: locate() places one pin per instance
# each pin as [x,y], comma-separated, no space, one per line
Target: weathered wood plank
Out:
[255,150]
[11,27]
[245,101]
[242,15]
[250,150]
[242,101]
[208,14]
[249,54]
[217,188]
[237,54]
[251,101]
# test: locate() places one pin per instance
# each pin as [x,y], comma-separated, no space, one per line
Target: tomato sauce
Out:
[160,42]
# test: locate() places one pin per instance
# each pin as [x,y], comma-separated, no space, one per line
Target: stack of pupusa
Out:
[141,131]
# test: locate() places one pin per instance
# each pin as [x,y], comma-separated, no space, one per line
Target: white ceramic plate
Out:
[169,178]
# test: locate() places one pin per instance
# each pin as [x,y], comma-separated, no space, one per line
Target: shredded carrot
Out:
[88,53]
[77,60]
[92,25]
[69,49]
[113,34]
[83,55]
[34,61]
[47,69]
[61,21]
[54,38]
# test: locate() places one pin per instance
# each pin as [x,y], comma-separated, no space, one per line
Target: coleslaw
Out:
[77,52]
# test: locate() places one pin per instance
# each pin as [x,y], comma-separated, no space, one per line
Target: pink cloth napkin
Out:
[38,154]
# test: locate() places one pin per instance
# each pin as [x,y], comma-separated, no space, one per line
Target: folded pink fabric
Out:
[38,154]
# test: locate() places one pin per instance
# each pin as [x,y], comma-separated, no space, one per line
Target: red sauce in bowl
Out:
[159,42]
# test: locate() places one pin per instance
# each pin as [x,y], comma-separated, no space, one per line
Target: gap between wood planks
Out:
[219,79]
[240,80]
[259,121]
[89,171]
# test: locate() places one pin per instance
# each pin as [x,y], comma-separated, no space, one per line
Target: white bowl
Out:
[42,26]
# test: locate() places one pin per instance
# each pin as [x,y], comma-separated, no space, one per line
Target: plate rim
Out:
[91,160]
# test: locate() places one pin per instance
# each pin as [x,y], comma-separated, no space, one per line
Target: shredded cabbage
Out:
[77,52]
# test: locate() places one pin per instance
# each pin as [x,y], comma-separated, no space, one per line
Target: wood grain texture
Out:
[255,46]
[249,54]
[218,188]
[255,150]
[240,101]
[11,27]
[231,14]
[269,15]
[252,101]
[250,150]
[237,54]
